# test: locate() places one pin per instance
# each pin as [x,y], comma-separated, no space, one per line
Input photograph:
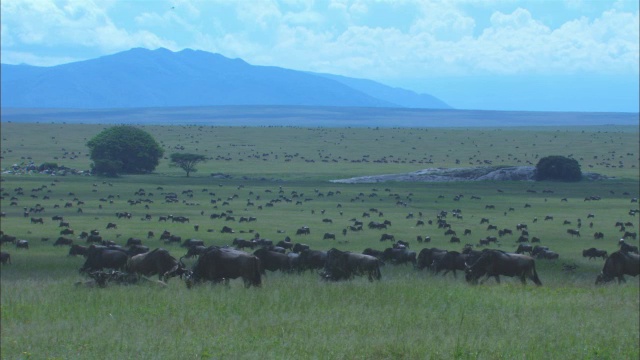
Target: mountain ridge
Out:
[161,78]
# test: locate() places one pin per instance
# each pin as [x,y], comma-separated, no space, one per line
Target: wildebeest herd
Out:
[220,263]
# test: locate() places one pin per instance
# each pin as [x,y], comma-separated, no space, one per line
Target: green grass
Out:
[408,314]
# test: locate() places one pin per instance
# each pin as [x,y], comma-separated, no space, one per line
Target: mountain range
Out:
[140,78]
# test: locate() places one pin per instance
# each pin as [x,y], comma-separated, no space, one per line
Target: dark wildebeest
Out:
[427,256]
[273,261]
[628,234]
[626,247]
[133,241]
[242,243]
[100,257]
[304,230]
[37,220]
[593,253]
[221,264]
[285,244]
[495,263]
[372,252]
[94,239]
[63,241]
[7,239]
[196,250]
[547,254]
[66,231]
[343,265]
[524,248]
[157,261]
[329,236]
[137,250]
[299,247]
[22,244]
[399,256]
[112,226]
[226,230]
[573,232]
[5,258]
[76,249]
[451,261]
[617,265]
[192,242]
[311,259]
[389,237]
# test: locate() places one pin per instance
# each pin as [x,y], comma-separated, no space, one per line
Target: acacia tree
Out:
[124,149]
[186,161]
[558,168]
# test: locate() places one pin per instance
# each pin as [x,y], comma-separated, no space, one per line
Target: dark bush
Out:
[558,168]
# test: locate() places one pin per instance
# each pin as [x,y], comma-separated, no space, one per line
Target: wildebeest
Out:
[573,232]
[196,250]
[329,236]
[220,264]
[524,248]
[495,263]
[547,254]
[304,230]
[133,241]
[156,262]
[427,256]
[273,261]
[100,257]
[192,242]
[626,247]
[593,253]
[617,265]
[22,244]
[399,256]
[628,234]
[76,249]
[137,249]
[389,237]
[242,243]
[373,252]
[37,220]
[299,247]
[226,230]
[66,231]
[343,265]
[61,241]
[450,261]
[311,259]
[112,226]
[5,258]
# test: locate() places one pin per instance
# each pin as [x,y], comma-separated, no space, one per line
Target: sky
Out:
[542,55]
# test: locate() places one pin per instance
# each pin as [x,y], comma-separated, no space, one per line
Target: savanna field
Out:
[281,176]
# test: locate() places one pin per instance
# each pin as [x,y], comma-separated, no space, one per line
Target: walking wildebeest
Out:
[592,253]
[221,264]
[495,263]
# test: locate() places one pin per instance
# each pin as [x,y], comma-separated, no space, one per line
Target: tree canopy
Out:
[558,168]
[124,149]
[186,161]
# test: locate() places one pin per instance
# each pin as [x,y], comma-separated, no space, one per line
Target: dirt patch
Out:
[483,173]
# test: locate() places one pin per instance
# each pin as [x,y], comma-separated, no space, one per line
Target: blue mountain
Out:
[162,78]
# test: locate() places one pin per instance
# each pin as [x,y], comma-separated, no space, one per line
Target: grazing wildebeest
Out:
[150,234]
[37,220]
[495,263]
[299,247]
[343,265]
[100,257]
[598,235]
[617,265]
[226,230]
[196,250]
[547,254]
[112,226]
[329,236]
[133,241]
[63,241]
[22,244]
[192,242]
[157,261]
[626,247]
[593,253]
[94,239]
[389,237]
[628,234]
[66,231]
[221,264]
[304,230]
[524,248]
[273,261]
[5,258]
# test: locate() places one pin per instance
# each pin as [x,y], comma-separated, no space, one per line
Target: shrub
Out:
[558,168]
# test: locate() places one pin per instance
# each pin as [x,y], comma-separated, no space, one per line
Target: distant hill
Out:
[140,78]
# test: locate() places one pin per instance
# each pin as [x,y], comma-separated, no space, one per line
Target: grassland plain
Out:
[408,314]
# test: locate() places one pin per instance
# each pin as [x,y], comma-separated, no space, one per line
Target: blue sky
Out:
[572,55]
